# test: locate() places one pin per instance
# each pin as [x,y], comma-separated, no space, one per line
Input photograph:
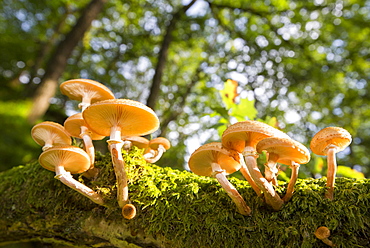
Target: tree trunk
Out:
[58,61]
[176,209]
[162,57]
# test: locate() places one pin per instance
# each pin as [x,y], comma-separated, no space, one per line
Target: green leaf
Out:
[349,172]
[223,112]
[244,110]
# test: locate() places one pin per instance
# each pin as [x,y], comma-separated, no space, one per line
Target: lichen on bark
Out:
[176,209]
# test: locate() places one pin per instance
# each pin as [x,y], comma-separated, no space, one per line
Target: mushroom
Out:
[75,125]
[86,91]
[323,234]
[48,134]
[65,160]
[330,141]
[115,118]
[213,160]
[129,211]
[243,138]
[156,149]
[286,151]
[139,142]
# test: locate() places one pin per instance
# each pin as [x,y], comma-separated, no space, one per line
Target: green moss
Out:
[186,210]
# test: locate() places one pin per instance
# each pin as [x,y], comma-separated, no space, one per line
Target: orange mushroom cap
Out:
[139,142]
[73,126]
[201,159]
[330,136]
[133,118]
[154,143]
[77,89]
[322,232]
[48,130]
[286,150]
[248,133]
[73,159]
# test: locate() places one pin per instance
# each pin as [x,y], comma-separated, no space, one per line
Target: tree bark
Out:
[162,57]
[175,209]
[58,61]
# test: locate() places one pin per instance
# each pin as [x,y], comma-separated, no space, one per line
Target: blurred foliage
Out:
[306,63]
[16,146]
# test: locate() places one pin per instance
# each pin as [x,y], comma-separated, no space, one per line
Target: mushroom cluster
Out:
[102,115]
[241,144]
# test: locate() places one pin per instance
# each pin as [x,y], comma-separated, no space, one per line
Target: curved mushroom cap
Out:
[139,142]
[77,89]
[322,232]
[73,126]
[50,131]
[287,150]
[73,159]
[328,136]
[154,143]
[134,118]
[201,159]
[248,133]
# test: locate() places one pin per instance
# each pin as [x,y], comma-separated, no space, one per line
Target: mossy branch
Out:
[176,209]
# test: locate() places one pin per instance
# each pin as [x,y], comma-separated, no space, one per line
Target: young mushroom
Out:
[285,151]
[65,160]
[76,127]
[156,148]
[48,134]
[115,118]
[323,234]
[330,141]
[139,142]
[213,160]
[243,138]
[86,91]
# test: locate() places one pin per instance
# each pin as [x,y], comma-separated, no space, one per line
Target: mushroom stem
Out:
[86,102]
[153,156]
[66,178]
[85,135]
[332,170]
[293,179]
[271,197]
[89,147]
[219,174]
[247,175]
[271,169]
[115,145]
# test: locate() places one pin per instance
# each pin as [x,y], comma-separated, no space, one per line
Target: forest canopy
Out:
[302,64]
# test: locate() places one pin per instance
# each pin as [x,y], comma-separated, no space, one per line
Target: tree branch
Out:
[162,57]
[176,209]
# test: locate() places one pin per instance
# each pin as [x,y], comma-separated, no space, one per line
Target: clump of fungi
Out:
[102,115]
[125,121]
[244,141]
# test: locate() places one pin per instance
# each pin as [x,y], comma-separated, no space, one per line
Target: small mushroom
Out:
[156,148]
[285,151]
[129,211]
[243,138]
[328,142]
[48,134]
[65,160]
[76,127]
[213,160]
[116,118]
[86,91]
[323,234]
[139,142]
